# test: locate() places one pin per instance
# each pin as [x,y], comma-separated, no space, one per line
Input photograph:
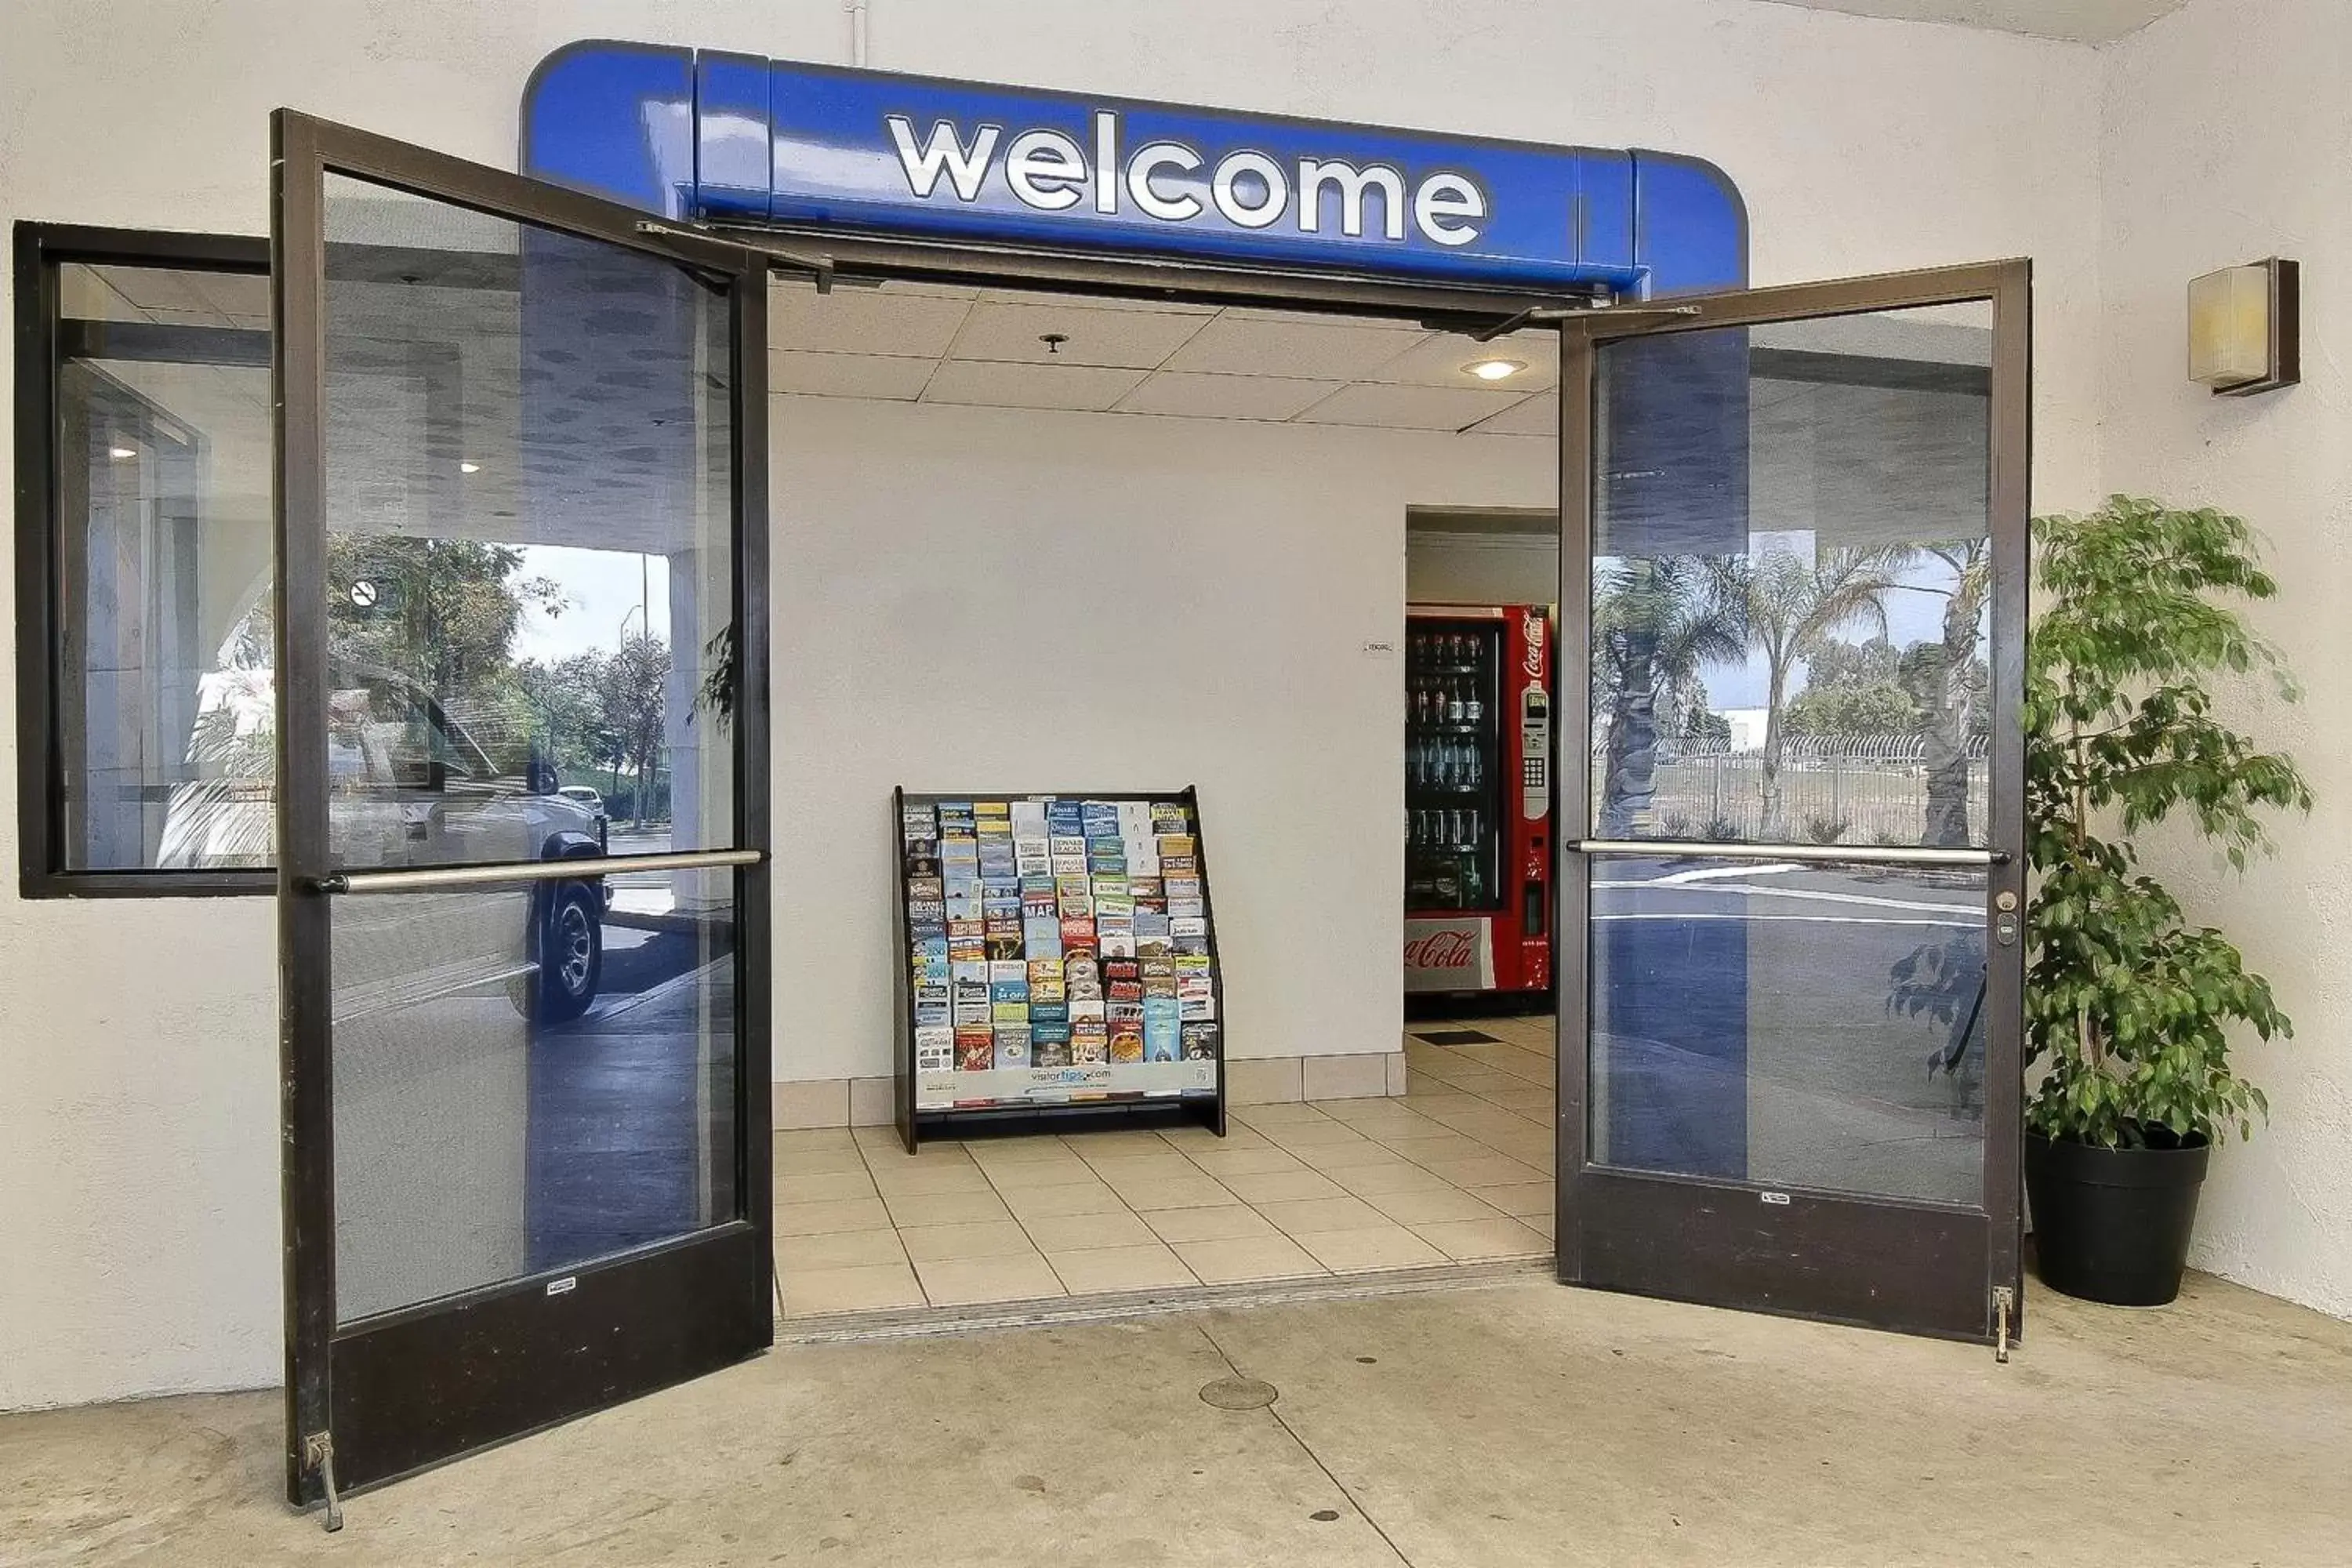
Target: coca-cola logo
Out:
[1532,634]
[1440,949]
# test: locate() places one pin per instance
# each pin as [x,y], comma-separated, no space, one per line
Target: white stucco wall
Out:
[1010,599]
[1481,568]
[138,1153]
[2227,135]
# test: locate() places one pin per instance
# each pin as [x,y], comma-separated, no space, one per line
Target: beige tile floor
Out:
[1458,1169]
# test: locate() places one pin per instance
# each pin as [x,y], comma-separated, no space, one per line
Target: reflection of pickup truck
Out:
[407,788]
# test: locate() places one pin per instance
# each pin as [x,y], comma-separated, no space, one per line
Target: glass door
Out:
[518,627]
[1454,771]
[1794,521]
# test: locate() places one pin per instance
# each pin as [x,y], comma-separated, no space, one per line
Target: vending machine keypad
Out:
[1535,754]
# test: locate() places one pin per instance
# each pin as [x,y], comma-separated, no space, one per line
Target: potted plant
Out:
[2130,1009]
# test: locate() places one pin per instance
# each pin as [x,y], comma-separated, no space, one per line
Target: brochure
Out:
[1063,941]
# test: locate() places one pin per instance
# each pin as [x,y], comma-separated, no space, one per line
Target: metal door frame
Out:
[431,1382]
[1701,1239]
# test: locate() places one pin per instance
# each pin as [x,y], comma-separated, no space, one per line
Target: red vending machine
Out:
[1478,798]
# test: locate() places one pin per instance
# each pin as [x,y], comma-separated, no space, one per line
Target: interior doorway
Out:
[1480,960]
[1199,496]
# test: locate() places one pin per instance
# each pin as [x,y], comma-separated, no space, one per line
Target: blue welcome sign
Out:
[737,139]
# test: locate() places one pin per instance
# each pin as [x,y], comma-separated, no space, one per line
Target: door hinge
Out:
[319,1455]
[2004,1303]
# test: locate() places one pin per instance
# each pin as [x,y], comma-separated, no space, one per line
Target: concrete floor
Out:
[1519,1423]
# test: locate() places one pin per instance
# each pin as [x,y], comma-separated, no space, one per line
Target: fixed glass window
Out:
[145,562]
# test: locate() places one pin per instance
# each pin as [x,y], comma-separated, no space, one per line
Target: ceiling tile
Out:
[803,283]
[2086,21]
[1321,318]
[1031,385]
[1097,301]
[1239,344]
[1438,360]
[1939,334]
[897,379]
[1226,396]
[162,291]
[864,321]
[1135,340]
[1408,407]
[1536,416]
[235,296]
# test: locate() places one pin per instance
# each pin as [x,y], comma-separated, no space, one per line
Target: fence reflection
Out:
[1834,789]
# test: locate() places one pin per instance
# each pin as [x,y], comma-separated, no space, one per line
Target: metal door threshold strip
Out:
[914,1323]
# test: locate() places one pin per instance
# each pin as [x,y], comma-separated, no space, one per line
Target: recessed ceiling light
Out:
[469,468]
[1495,369]
[122,453]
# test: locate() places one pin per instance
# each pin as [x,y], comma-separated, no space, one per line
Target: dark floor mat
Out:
[1456,1038]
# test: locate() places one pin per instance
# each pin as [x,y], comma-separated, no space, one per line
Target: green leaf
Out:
[2129,1010]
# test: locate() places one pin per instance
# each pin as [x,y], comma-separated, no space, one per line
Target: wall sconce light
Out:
[2245,324]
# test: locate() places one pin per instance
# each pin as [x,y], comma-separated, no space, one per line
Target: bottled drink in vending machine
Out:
[1475,705]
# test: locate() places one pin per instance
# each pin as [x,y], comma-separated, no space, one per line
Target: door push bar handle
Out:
[427,878]
[1802,854]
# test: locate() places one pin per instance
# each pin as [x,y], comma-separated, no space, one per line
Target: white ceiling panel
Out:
[1226,396]
[1408,407]
[164,292]
[240,296]
[164,295]
[1538,416]
[2090,21]
[891,287]
[1132,339]
[1440,360]
[1319,318]
[984,347]
[1031,385]
[888,321]
[1329,349]
[1942,334]
[880,376]
[1097,301]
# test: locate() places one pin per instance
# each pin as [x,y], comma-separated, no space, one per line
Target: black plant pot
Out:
[2112,1225]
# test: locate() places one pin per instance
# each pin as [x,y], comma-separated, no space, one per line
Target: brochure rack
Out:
[1058,963]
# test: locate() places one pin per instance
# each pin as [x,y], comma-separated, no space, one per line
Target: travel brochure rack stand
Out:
[938,1101]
